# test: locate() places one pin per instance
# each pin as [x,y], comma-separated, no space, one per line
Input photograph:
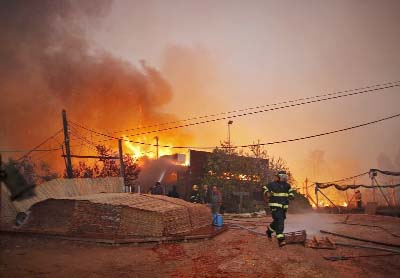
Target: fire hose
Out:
[343,258]
[247,229]
[360,239]
[371,226]
[392,252]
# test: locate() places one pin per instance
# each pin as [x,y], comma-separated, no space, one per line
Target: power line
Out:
[344,179]
[90,146]
[274,142]
[261,111]
[321,134]
[241,115]
[26,150]
[254,108]
[41,144]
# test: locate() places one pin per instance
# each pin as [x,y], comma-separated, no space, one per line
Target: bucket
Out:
[217,220]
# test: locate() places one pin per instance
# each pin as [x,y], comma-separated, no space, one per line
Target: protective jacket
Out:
[280,193]
[195,197]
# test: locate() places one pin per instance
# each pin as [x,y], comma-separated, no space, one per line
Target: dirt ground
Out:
[234,253]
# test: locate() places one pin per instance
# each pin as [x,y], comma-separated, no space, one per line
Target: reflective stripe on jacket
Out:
[280,192]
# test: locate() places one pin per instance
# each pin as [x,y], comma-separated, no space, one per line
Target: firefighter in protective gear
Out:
[278,192]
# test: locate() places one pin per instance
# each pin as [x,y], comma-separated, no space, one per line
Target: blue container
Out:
[217,220]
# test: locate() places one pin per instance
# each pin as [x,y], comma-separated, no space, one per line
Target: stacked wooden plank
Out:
[117,215]
[57,188]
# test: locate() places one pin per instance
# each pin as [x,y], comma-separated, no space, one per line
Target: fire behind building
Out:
[193,173]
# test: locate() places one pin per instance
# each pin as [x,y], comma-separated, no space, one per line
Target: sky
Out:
[179,59]
[226,55]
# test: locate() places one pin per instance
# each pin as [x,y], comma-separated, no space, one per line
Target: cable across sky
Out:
[41,144]
[255,107]
[379,89]
[269,143]
[290,103]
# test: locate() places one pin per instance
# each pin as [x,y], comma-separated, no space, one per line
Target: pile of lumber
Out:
[117,215]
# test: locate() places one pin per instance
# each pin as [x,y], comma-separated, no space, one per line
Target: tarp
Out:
[352,186]
[389,173]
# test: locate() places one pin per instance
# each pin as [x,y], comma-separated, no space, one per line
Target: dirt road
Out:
[235,253]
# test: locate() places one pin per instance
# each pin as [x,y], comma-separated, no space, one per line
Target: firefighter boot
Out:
[281,242]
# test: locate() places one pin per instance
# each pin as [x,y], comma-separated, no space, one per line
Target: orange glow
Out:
[139,151]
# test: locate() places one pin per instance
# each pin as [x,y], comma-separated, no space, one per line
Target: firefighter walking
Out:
[278,193]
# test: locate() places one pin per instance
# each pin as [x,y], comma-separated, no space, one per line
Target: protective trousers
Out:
[278,224]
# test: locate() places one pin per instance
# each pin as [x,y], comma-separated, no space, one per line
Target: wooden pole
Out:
[156,146]
[121,161]
[67,146]
[373,191]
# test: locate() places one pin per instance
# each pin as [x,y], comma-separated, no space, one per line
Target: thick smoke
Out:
[48,64]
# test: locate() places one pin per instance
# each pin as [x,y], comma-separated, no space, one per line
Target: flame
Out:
[323,204]
[138,151]
[345,204]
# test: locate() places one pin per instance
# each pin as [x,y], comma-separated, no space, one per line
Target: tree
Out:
[234,171]
[237,171]
[105,167]
[34,172]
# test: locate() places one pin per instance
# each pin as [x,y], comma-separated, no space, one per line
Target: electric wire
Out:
[239,115]
[270,143]
[254,108]
[28,150]
[41,144]
[344,179]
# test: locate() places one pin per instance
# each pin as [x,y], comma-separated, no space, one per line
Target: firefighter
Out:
[195,195]
[278,193]
[157,189]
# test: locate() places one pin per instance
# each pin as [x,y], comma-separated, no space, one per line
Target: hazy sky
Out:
[114,66]
[224,55]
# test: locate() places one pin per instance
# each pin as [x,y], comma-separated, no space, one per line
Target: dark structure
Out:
[195,173]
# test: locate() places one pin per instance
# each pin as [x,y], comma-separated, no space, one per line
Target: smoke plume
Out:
[48,64]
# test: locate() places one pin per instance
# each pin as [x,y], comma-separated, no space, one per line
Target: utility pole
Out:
[229,135]
[121,161]
[156,146]
[67,147]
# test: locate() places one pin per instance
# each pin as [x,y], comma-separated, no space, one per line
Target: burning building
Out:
[187,171]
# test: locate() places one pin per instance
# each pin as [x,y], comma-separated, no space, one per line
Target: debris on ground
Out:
[320,243]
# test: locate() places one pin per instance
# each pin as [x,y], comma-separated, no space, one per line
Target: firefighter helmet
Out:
[282,175]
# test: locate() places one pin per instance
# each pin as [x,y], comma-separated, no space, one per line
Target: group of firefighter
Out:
[277,194]
[210,197]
